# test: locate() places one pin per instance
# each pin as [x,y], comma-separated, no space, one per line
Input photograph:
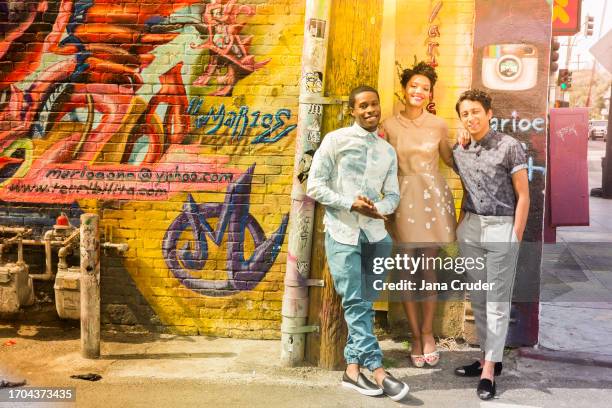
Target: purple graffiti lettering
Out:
[233,222]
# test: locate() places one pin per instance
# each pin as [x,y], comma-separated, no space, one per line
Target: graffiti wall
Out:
[175,121]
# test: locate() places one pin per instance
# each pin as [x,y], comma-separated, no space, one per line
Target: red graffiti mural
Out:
[229,50]
[88,108]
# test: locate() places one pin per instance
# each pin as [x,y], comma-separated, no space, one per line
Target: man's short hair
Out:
[475,95]
[357,91]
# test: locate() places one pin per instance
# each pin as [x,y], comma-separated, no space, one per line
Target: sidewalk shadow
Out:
[169,356]
[511,379]
[70,330]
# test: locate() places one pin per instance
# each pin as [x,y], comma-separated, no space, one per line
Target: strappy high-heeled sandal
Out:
[417,360]
[432,358]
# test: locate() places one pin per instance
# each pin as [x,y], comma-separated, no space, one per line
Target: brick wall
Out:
[175,122]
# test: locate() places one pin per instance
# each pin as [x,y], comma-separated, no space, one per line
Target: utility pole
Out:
[606,180]
[601,26]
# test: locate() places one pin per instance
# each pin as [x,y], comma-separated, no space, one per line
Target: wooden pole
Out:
[354,58]
[90,286]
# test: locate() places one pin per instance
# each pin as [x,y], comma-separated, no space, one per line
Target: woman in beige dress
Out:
[425,217]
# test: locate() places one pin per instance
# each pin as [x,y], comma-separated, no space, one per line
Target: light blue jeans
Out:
[345,264]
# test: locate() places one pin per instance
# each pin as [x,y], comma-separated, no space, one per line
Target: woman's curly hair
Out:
[419,68]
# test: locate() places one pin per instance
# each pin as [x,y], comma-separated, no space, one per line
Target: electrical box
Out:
[67,293]
[569,177]
[16,287]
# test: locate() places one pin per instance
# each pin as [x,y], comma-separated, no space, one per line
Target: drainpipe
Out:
[295,297]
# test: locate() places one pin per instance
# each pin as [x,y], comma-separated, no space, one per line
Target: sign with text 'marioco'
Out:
[566,17]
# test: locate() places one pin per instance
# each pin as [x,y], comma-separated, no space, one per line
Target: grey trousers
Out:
[491,238]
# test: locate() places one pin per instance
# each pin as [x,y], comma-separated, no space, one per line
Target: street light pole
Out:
[601,26]
[606,175]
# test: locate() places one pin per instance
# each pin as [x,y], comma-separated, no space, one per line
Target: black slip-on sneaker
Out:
[394,388]
[362,385]
[475,370]
[486,389]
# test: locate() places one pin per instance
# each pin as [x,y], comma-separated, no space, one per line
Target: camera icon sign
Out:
[510,67]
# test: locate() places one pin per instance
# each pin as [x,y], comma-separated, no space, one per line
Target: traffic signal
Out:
[589,26]
[554,54]
[564,80]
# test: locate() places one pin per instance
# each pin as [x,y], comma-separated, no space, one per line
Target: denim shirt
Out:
[352,161]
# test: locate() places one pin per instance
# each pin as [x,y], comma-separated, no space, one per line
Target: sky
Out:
[580,51]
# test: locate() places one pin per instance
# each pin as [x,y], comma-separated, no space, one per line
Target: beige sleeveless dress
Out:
[426,212]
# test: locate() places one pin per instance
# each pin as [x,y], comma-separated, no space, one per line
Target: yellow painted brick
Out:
[258,188]
[149,253]
[119,233]
[211,313]
[185,330]
[271,314]
[252,295]
[216,303]
[271,305]
[266,287]
[273,296]
[130,222]
[280,179]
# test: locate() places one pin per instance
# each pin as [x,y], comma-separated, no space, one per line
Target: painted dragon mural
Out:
[88,101]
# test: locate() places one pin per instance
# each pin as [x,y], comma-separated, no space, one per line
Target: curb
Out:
[572,357]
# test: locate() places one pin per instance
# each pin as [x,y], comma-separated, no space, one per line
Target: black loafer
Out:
[362,385]
[475,370]
[486,389]
[394,388]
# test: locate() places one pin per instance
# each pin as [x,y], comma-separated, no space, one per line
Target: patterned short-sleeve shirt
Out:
[486,168]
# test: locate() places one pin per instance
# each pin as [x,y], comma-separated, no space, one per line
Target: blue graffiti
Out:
[233,222]
[274,125]
[77,18]
[531,168]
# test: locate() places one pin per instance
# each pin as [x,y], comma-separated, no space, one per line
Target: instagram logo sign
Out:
[510,67]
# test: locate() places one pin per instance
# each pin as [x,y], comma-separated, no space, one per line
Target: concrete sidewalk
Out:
[178,371]
[576,298]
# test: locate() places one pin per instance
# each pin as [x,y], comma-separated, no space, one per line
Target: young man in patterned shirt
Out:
[493,170]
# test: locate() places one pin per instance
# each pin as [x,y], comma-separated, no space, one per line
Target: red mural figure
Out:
[109,42]
[85,108]
[229,52]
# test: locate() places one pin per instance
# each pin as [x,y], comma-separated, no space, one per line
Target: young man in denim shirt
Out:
[354,174]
